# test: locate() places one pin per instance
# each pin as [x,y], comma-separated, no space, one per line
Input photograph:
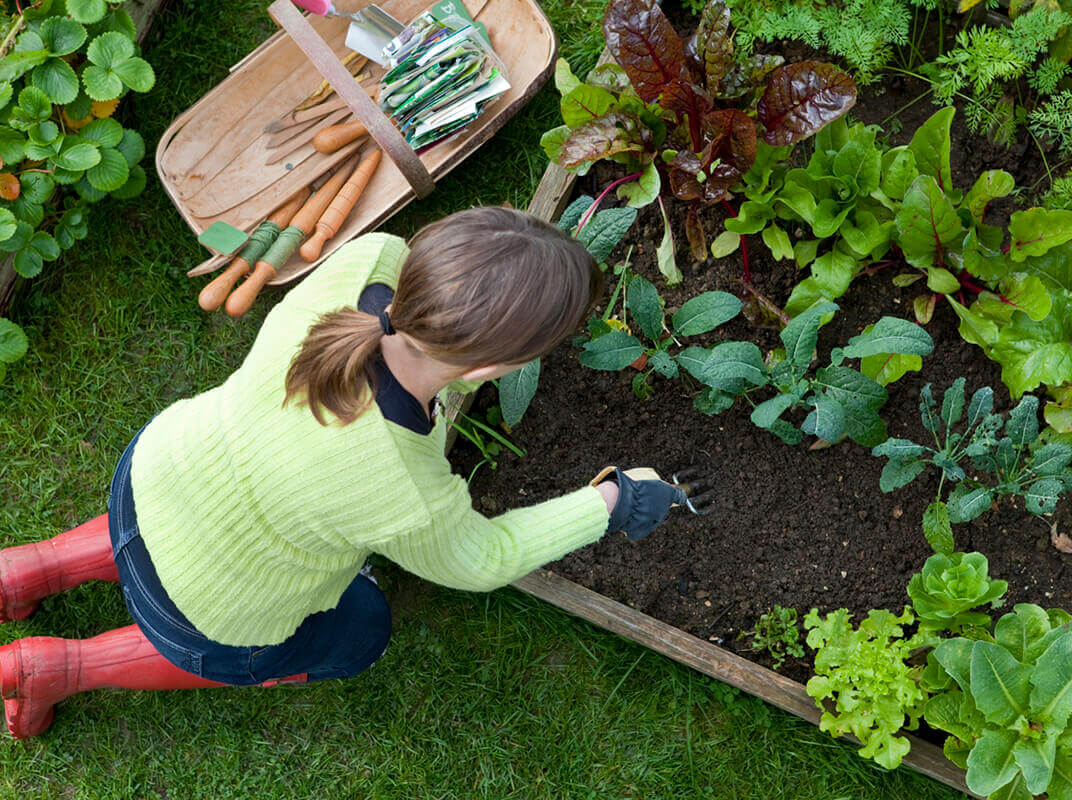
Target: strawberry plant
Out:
[685,113]
[1021,465]
[63,69]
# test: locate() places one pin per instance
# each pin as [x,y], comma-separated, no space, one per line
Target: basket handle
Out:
[380,128]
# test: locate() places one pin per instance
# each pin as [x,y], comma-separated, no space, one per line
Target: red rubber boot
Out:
[39,671]
[30,572]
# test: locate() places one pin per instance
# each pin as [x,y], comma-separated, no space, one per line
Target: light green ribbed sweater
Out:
[256,516]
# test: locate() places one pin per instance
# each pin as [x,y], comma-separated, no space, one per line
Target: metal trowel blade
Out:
[370,31]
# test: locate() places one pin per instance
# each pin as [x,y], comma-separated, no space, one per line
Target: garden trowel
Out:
[371,28]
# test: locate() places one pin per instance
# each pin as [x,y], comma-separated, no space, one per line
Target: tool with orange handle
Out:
[332,219]
[212,296]
[241,299]
[331,138]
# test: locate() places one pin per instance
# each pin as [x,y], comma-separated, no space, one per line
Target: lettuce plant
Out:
[867,673]
[63,69]
[1006,703]
[944,593]
[686,112]
[1019,463]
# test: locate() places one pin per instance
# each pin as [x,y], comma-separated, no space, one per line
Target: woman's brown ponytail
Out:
[334,368]
[481,287]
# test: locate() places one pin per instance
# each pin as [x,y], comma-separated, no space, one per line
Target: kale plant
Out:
[1008,450]
[948,587]
[776,632]
[868,674]
[838,401]
[1006,701]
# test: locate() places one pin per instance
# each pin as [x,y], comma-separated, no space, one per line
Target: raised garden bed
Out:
[792,526]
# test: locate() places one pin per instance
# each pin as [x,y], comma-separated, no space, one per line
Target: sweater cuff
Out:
[561,526]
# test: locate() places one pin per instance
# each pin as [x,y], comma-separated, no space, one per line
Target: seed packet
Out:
[441,74]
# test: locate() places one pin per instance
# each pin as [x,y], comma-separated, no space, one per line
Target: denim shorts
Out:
[337,643]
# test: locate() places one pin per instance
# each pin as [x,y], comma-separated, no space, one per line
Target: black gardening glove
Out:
[642,504]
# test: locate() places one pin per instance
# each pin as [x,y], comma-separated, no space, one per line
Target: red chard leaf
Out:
[643,41]
[613,133]
[689,102]
[731,148]
[695,233]
[801,98]
[740,80]
[714,46]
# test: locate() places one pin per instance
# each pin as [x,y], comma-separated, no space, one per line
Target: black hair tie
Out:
[385,323]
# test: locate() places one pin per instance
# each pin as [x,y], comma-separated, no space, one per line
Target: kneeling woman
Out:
[239,520]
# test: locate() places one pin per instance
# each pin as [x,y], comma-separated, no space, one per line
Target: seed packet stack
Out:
[441,74]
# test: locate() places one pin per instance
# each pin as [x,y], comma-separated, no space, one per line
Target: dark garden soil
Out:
[792,526]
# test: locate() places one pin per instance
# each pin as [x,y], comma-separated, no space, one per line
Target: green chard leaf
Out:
[927,224]
[1035,231]
[930,146]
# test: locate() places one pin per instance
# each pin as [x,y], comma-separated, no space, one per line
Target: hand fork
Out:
[699,490]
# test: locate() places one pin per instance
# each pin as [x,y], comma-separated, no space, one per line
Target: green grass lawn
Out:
[479,696]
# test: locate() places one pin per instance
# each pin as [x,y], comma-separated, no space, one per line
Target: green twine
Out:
[259,241]
[283,247]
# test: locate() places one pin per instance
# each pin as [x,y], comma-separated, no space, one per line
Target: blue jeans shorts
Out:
[337,643]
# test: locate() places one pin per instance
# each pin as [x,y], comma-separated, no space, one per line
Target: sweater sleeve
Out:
[463,549]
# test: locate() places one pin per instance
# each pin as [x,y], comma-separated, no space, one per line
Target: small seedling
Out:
[778,634]
[484,437]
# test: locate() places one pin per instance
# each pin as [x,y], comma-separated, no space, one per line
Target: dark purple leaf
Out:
[714,46]
[740,80]
[616,132]
[644,42]
[728,155]
[695,233]
[689,103]
[801,98]
[731,148]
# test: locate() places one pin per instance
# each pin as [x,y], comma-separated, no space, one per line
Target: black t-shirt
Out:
[396,404]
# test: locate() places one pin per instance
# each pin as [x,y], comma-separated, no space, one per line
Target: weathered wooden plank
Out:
[711,660]
[142,12]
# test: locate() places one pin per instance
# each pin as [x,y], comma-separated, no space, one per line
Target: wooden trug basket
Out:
[211,159]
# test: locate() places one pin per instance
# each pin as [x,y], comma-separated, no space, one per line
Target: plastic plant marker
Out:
[223,238]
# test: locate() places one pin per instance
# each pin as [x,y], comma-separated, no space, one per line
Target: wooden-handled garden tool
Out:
[213,295]
[331,138]
[241,299]
[341,206]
